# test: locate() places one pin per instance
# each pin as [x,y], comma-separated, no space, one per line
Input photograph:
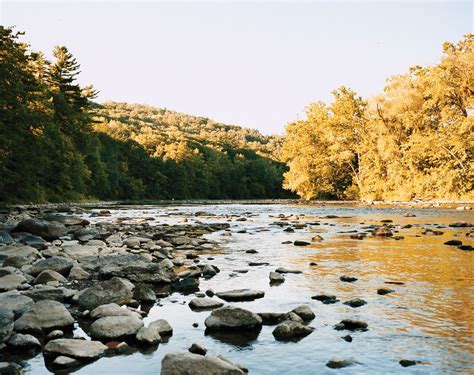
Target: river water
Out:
[430,318]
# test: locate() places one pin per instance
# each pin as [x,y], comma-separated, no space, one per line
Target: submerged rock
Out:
[204,304]
[301,243]
[351,325]
[383,291]
[348,279]
[339,363]
[357,302]
[190,363]
[325,298]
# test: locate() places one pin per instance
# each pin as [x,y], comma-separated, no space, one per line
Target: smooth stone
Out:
[6,324]
[230,318]
[339,363]
[240,295]
[325,298]
[301,243]
[75,348]
[286,270]
[23,342]
[453,243]
[407,362]
[11,282]
[144,293]
[162,327]
[49,230]
[58,264]
[384,291]
[276,278]
[49,275]
[271,319]
[351,325]
[348,279]
[112,309]
[63,362]
[204,304]
[115,327]
[148,336]
[16,302]
[43,316]
[290,330]
[190,363]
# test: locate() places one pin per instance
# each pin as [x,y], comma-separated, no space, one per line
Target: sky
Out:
[254,64]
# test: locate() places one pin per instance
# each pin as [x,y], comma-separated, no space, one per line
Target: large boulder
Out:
[114,290]
[75,348]
[11,282]
[49,275]
[49,230]
[15,302]
[162,327]
[230,318]
[58,264]
[6,324]
[67,220]
[23,251]
[44,316]
[241,295]
[76,251]
[189,363]
[115,327]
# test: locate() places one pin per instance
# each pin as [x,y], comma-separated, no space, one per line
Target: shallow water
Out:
[429,319]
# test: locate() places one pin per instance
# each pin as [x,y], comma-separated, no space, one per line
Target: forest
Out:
[413,141]
[57,144]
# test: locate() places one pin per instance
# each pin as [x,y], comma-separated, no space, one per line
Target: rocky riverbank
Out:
[60,271]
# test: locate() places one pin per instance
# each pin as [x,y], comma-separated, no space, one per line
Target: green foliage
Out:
[56,144]
[415,140]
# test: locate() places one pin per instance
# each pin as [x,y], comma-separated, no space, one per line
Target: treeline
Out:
[415,140]
[56,144]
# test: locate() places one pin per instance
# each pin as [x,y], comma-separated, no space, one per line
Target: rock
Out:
[49,230]
[460,224]
[240,295]
[5,238]
[78,273]
[301,243]
[209,271]
[325,298]
[230,318]
[47,292]
[270,319]
[348,279]
[351,325]
[56,334]
[187,285]
[251,251]
[58,264]
[63,362]
[258,264]
[162,327]
[17,261]
[290,330]
[317,238]
[204,304]
[115,327]
[453,243]
[143,272]
[197,349]
[276,278]
[44,316]
[190,363]
[466,247]
[34,241]
[11,282]
[357,302]
[286,270]
[75,348]
[148,336]
[16,302]
[6,323]
[67,220]
[382,232]
[210,293]
[15,250]
[112,309]
[12,368]
[114,290]
[407,362]
[48,275]
[347,338]
[383,291]
[304,312]
[144,293]
[339,363]
[76,251]
[21,342]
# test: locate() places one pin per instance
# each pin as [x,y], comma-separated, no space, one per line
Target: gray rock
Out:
[11,282]
[23,342]
[56,334]
[351,325]
[204,304]
[46,292]
[229,318]
[17,261]
[143,272]
[197,349]
[240,295]
[75,348]
[114,290]
[34,241]
[16,302]
[162,327]
[76,251]
[144,293]
[189,363]
[290,330]
[271,319]
[304,312]
[115,327]
[78,273]
[67,220]
[339,363]
[49,275]
[58,264]
[15,250]
[287,270]
[148,335]
[49,230]
[5,238]
[112,309]
[44,316]
[63,362]
[6,324]
[357,302]
[276,278]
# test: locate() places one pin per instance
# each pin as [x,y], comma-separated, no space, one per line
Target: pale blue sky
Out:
[255,64]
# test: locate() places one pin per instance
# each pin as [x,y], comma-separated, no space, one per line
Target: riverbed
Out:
[428,318]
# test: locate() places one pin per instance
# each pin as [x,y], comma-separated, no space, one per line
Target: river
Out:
[429,318]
